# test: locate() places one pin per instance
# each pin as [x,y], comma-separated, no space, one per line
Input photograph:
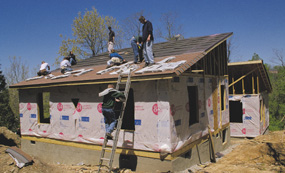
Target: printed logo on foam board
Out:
[85,119]
[243,130]
[79,107]
[29,106]
[247,118]
[64,117]
[138,122]
[139,108]
[99,107]
[155,109]
[209,102]
[33,116]
[59,107]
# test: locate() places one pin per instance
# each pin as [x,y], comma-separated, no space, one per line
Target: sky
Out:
[31,29]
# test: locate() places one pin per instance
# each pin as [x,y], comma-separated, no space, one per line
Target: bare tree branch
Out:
[279,57]
[17,71]
[169,27]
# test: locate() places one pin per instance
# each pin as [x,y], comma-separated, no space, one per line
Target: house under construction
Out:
[249,88]
[171,109]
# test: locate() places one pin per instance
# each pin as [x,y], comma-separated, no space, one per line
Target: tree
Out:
[279,57]
[169,29]
[132,25]
[277,99]
[255,56]
[17,71]
[230,48]
[90,32]
[7,117]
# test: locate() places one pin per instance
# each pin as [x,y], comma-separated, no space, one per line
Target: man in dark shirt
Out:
[110,96]
[111,39]
[147,40]
[72,58]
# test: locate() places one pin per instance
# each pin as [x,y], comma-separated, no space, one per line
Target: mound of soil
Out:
[9,138]
[265,153]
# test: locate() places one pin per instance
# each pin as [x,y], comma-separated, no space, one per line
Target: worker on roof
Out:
[111,39]
[110,96]
[44,69]
[65,65]
[137,48]
[72,58]
[147,40]
[115,59]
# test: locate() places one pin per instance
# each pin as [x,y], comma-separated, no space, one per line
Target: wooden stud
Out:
[257,83]
[212,145]
[243,90]
[234,92]
[215,103]
[253,88]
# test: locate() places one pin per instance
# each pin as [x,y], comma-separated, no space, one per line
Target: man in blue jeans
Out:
[147,40]
[135,49]
[111,96]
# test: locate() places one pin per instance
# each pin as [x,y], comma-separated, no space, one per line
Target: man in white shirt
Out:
[44,69]
[65,65]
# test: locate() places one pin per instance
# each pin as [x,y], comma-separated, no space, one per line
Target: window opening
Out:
[224,133]
[75,102]
[223,97]
[236,112]
[193,104]
[44,107]
[129,115]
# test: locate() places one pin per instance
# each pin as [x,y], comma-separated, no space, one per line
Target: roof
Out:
[255,67]
[173,58]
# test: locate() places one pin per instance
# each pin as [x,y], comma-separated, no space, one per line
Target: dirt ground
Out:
[264,153]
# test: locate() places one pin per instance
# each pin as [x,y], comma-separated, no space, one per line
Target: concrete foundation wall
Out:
[60,154]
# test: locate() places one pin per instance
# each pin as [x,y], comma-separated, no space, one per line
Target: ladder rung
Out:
[105,159]
[110,149]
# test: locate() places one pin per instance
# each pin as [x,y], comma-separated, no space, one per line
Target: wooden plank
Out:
[253,88]
[242,77]
[215,103]
[243,90]
[212,151]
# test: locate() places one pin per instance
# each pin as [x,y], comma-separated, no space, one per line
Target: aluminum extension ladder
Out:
[119,124]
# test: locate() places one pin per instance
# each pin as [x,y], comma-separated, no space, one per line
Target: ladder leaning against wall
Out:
[121,81]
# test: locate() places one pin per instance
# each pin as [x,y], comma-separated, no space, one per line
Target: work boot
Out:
[109,136]
[146,64]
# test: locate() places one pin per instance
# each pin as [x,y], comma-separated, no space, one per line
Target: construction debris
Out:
[22,159]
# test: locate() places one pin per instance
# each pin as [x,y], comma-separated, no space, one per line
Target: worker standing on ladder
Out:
[110,96]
